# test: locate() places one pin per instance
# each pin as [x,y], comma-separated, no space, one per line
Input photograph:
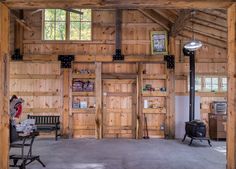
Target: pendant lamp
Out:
[193,44]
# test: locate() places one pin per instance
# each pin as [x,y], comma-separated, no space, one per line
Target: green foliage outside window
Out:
[79,25]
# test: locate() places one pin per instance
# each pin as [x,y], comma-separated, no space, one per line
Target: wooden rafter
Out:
[207,40]
[208,31]
[167,14]
[179,24]
[180,4]
[157,18]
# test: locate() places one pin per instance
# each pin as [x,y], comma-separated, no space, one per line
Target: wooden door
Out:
[119,108]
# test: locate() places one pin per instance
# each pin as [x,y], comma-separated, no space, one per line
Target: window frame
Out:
[67,35]
[203,88]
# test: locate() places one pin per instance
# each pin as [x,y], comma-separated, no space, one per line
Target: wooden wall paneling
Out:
[140,102]
[118,108]
[99,112]
[170,116]
[66,101]
[231,121]
[4,86]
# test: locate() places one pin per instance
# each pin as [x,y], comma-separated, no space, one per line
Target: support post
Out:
[140,102]
[170,119]
[4,86]
[231,121]
[66,102]
[98,90]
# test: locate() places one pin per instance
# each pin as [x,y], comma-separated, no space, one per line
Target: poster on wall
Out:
[159,42]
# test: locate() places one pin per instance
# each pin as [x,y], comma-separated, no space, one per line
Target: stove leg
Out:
[184,138]
[191,142]
[209,142]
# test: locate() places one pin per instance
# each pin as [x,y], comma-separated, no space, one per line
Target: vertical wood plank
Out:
[231,127]
[66,102]
[140,104]
[171,95]
[98,89]
[4,89]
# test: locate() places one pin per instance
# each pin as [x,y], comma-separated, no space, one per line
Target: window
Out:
[64,25]
[224,84]
[210,84]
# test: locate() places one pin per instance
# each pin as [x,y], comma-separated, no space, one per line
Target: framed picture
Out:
[159,42]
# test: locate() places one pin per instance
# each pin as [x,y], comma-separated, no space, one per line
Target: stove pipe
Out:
[191,55]
[192,86]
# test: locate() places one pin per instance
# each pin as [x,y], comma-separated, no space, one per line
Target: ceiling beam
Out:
[151,14]
[177,4]
[180,22]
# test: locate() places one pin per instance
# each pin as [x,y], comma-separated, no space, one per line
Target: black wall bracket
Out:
[66,60]
[17,56]
[170,59]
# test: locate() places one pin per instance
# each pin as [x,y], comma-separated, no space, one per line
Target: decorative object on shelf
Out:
[170,59]
[149,87]
[82,86]
[159,42]
[83,105]
[66,60]
[83,71]
[17,56]
[145,104]
[76,105]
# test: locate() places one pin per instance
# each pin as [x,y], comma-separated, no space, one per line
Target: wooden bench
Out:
[47,123]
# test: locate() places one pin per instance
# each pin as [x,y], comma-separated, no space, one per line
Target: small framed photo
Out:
[159,41]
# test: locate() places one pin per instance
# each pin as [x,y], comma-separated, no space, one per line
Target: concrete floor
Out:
[128,154]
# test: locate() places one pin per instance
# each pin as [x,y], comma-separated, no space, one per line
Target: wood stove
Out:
[195,129]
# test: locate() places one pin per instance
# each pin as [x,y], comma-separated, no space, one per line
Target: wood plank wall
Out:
[135,37]
[4,87]
[39,84]
[135,41]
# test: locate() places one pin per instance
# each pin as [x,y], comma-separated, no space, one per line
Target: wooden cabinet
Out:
[217,126]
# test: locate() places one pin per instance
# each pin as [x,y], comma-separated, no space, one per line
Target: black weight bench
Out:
[47,123]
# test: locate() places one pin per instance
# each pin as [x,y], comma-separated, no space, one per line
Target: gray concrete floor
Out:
[128,154]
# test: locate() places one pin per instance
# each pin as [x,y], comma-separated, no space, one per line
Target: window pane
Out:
[208,84]
[50,14]
[60,15]
[198,84]
[60,33]
[224,84]
[49,31]
[86,31]
[75,16]
[87,15]
[75,31]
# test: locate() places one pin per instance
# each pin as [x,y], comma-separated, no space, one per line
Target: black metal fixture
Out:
[118,53]
[191,55]
[66,60]
[170,59]
[17,56]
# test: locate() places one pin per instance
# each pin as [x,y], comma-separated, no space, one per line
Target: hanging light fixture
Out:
[193,44]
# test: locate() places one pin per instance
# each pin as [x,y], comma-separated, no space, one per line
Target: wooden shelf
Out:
[161,110]
[83,76]
[154,76]
[87,110]
[154,94]
[83,94]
